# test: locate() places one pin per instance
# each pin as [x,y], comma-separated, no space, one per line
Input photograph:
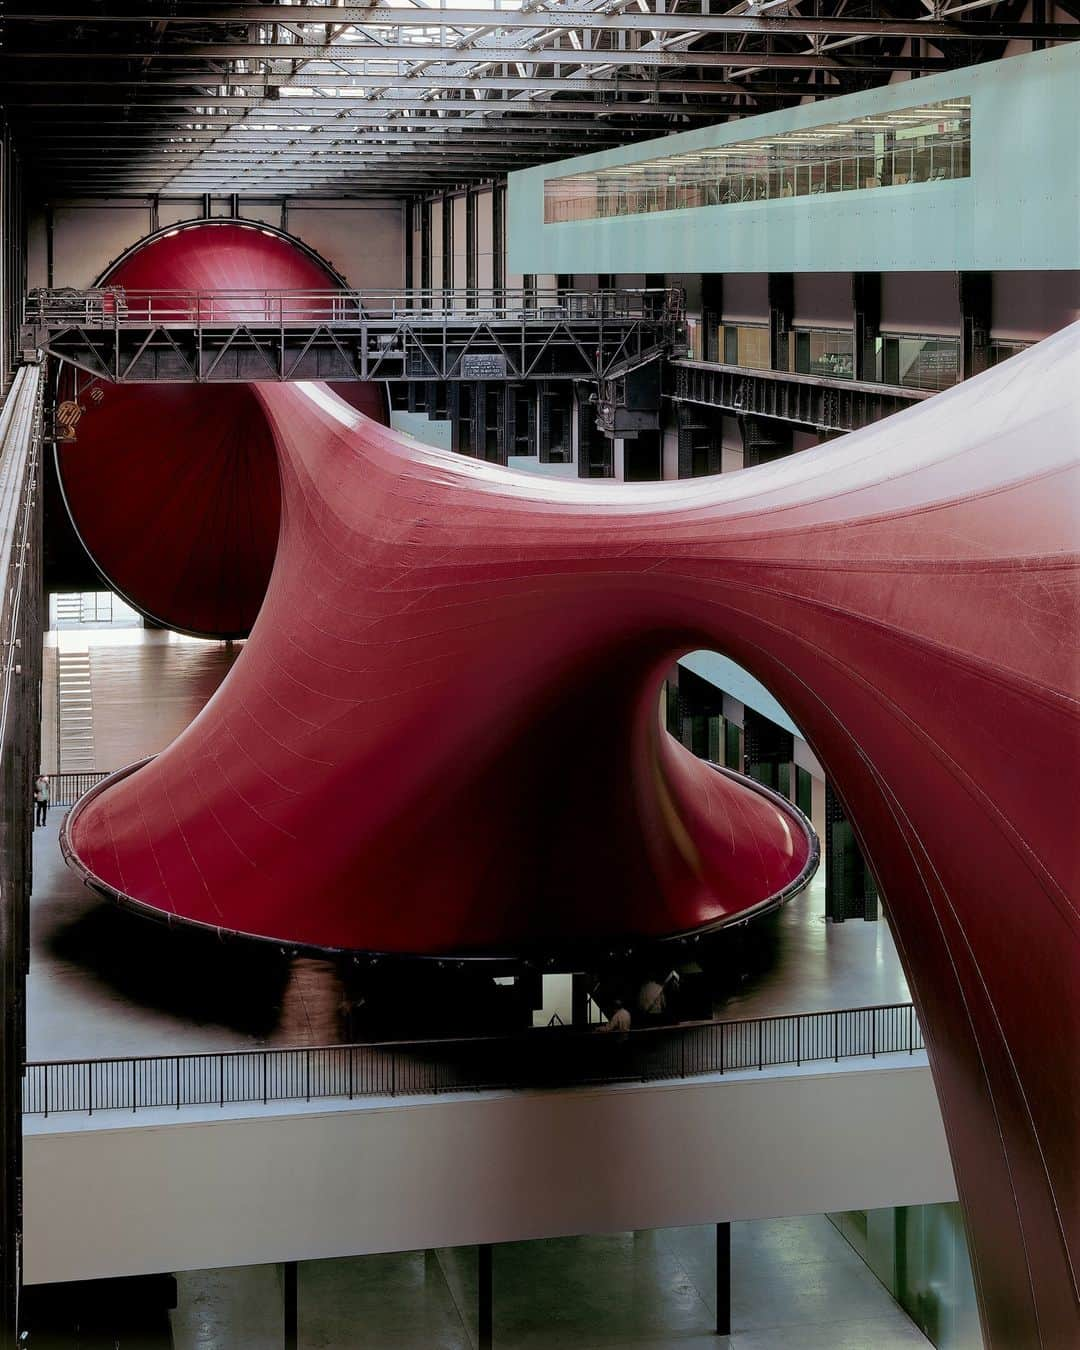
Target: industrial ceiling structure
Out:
[318,97]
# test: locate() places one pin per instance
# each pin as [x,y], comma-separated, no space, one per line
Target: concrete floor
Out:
[103,982]
[146,685]
[795,1285]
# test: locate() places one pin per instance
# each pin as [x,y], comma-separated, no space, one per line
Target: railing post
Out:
[90,1089]
[133,1087]
[307,1075]
[178,1082]
[798,1040]
[911,1029]
[721,1047]
[873,1033]
[221,1081]
[836,1036]
[760,1045]
[265,1057]
[351,1060]
[45,1075]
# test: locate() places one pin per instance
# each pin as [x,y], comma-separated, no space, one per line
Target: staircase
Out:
[74,712]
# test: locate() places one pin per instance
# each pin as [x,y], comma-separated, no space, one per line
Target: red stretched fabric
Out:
[443,733]
[174,488]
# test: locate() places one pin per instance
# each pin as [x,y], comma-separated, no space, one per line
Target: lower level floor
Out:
[794,1282]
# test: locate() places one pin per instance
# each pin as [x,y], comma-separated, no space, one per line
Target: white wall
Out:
[530,464]
[746,298]
[124,1197]
[919,302]
[1032,305]
[86,239]
[429,430]
[823,299]
[363,240]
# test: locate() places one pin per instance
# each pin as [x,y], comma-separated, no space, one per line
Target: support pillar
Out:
[579,1000]
[781,312]
[850,889]
[976,294]
[712,316]
[723,1279]
[290,1285]
[485,1298]
[699,432]
[764,439]
[424,279]
[866,304]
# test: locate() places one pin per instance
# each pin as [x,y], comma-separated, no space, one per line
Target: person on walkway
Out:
[653,996]
[651,999]
[619,1021]
[41,799]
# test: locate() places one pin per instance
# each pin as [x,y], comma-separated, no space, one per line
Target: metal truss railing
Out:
[240,336]
[829,404]
[65,789]
[115,307]
[544,1057]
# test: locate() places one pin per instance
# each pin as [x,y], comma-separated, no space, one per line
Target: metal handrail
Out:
[542,1057]
[117,307]
[66,788]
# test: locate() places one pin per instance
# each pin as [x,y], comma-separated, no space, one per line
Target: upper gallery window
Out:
[909,145]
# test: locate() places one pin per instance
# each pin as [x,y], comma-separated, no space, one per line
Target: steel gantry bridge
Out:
[129,336]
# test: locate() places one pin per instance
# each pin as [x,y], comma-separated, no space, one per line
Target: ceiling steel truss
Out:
[393,99]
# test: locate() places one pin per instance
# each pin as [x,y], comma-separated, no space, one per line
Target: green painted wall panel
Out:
[1020,209]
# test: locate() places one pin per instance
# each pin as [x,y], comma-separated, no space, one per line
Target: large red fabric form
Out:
[173,489]
[443,736]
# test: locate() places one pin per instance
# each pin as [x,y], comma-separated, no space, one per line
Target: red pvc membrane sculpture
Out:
[173,489]
[443,736]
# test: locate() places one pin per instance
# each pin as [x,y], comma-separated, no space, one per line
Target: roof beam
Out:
[649,102]
[488,54]
[429,80]
[682,21]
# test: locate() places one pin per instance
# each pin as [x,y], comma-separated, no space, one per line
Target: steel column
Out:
[723,1279]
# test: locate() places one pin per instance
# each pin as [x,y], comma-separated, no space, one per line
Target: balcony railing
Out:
[65,789]
[116,307]
[543,1058]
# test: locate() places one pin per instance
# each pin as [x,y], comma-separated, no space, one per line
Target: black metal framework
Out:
[723,1279]
[393,105]
[551,1056]
[807,400]
[975,291]
[485,1297]
[128,336]
[850,889]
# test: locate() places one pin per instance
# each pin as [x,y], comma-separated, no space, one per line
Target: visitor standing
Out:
[41,799]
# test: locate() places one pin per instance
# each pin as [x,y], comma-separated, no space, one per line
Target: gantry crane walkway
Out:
[141,336]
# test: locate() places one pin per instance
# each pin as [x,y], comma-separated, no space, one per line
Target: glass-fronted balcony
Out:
[822,351]
[905,361]
[914,362]
[929,143]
